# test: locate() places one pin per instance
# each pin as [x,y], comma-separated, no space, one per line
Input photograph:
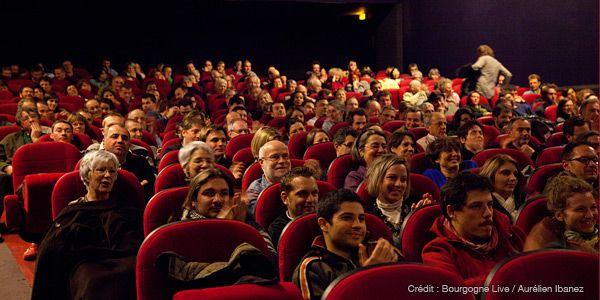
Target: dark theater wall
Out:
[555,38]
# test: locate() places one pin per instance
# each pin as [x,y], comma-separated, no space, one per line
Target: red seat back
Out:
[392,281]
[170,158]
[148,138]
[297,237]
[280,290]
[70,187]
[8,108]
[556,139]
[201,240]
[522,159]
[162,206]
[540,178]
[143,145]
[6,95]
[173,122]
[550,155]
[419,162]
[337,127]
[173,176]
[339,169]
[547,268]
[323,152]
[171,142]
[391,126]
[76,101]
[419,132]
[531,213]
[550,112]
[6,130]
[237,143]
[244,155]
[81,141]
[297,145]
[489,135]
[169,135]
[415,232]
[319,122]
[269,204]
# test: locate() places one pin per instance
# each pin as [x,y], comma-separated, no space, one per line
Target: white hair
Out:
[185,153]
[91,160]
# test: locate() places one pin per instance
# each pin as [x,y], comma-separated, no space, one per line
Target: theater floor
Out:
[16,275]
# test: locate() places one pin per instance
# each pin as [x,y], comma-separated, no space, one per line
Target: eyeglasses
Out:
[102,171]
[277,157]
[376,146]
[586,160]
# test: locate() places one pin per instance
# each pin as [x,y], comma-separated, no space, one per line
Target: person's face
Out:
[295,128]
[211,198]
[46,86]
[106,63]
[340,95]
[552,95]
[385,100]
[359,122]
[220,86]
[88,116]
[333,113]
[297,114]
[394,184]
[147,105]
[347,228]
[239,127]
[534,83]
[373,148]
[247,66]
[192,134]
[27,120]
[86,86]
[474,220]
[592,112]
[59,74]
[568,108]
[346,146]
[116,141]
[93,107]
[521,132]
[351,104]
[303,197]
[449,161]
[78,127]
[135,129]
[415,87]
[125,94]
[321,108]
[277,83]
[276,161]
[413,119]
[104,108]
[406,149]
[62,132]
[179,93]
[503,119]
[108,95]
[505,179]
[217,141]
[428,109]
[309,107]
[36,76]
[184,109]
[320,137]
[474,97]
[387,115]
[438,126]
[316,69]
[131,69]
[464,118]
[138,116]
[580,214]
[103,177]
[26,92]
[577,130]
[43,110]
[265,99]
[474,139]
[584,164]
[200,160]
[278,110]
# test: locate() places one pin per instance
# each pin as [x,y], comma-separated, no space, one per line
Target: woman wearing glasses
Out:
[369,145]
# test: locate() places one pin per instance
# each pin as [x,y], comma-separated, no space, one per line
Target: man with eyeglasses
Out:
[236,128]
[580,159]
[274,159]
[436,128]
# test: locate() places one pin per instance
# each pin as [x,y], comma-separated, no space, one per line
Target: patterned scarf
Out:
[585,239]
[482,248]
[392,212]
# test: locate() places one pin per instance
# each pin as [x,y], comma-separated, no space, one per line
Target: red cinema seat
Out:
[522,159]
[8,118]
[482,101]
[6,130]
[392,281]
[367,199]
[237,143]
[162,206]
[200,240]
[280,290]
[171,142]
[269,204]
[531,213]
[419,162]
[550,155]
[531,98]
[420,184]
[8,108]
[297,237]
[169,135]
[15,85]
[173,122]
[337,127]
[392,126]
[339,169]
[278,123]
[297,145]
[244,155]
[29,159]
[546,268]
[541,177]
[323,152]
[94,132]
[319,122]
[556,139]
[170,158]
[550,113]
[81,141]
[6,95]
[490,133]
[173,176]
[281,96]
[418,132]
[148,138]
[69,187]
[254,172]
[75,101]
[415,232]
[487,120]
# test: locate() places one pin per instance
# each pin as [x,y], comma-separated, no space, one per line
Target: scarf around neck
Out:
[482,248]
[392,211]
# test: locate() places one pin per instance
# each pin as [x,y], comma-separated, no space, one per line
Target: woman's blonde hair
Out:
[485,50]
[491,166]
[376,173]
[262,136]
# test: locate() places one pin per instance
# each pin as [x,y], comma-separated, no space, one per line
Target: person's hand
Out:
[172,111]
[36,131]
[384,252]
[234,209]
[144,182]
[527,150]
[8,170]
[237,168]
[426,200]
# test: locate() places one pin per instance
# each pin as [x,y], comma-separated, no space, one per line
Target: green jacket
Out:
[10,144]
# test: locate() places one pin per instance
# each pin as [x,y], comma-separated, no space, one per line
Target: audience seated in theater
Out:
[503,173]
[357,119]
[90,249]
[590,111]
[471,139]
[574,220]
[580,160]
[502,116]
[519,137]
[392,80]
[300,194]
[343,141]
[534,84]
[520,107]
[274,159]
[444,154]
[335,114]
[436,127]
[490,68]
[470,238]
[369,145]
[388,181]
[336,251]
[445,87]
[30,131]
[403,144]
[549,97]
[236,128]
[211,195]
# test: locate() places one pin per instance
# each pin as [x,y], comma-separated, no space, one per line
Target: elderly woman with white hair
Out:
[90,248]
[196,157]
[415,95]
